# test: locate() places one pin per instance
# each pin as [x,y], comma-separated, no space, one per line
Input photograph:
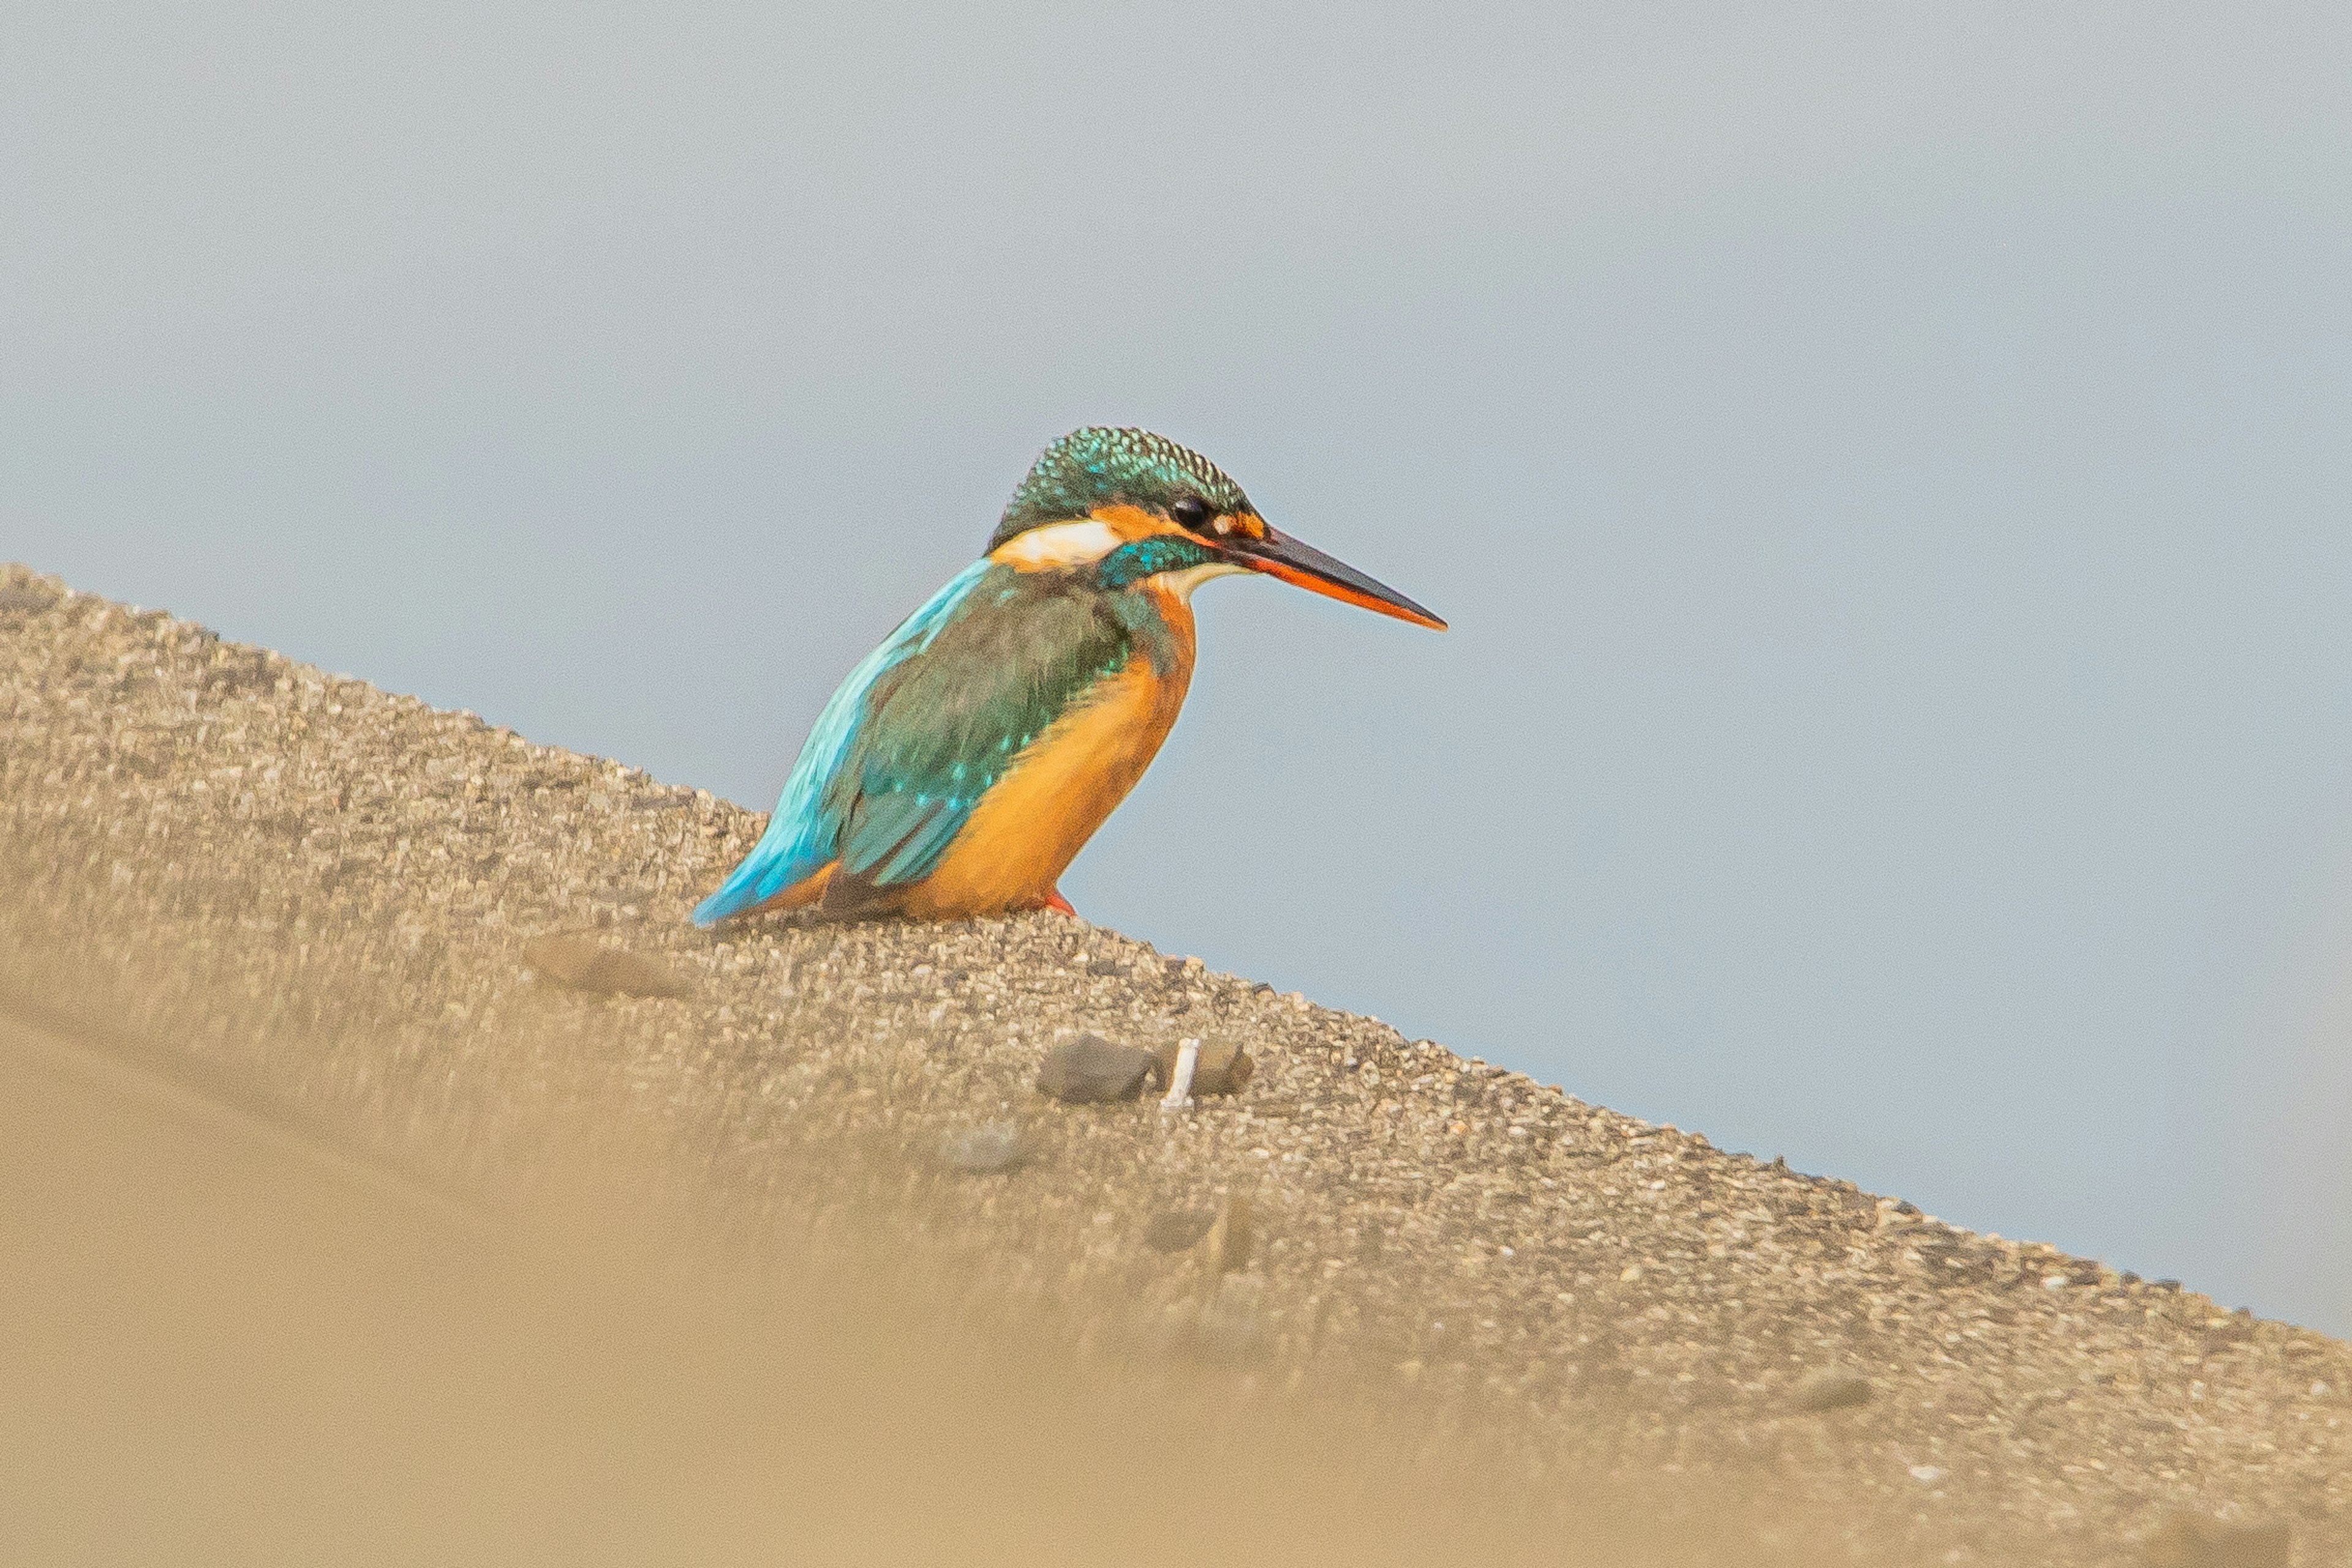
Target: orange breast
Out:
[1027,830]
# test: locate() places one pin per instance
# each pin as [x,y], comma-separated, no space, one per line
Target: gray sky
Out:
[1885,465]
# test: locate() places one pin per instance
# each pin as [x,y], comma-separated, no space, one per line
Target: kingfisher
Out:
[964,762]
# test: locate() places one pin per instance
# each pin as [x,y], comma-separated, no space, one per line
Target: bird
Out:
[963,763]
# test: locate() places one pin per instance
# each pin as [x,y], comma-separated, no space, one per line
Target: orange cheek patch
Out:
[1132,522]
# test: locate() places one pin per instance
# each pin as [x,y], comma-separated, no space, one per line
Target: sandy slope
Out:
[1541,1330]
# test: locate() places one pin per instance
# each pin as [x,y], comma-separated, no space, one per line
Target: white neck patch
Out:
[1059,544]
[1181,583]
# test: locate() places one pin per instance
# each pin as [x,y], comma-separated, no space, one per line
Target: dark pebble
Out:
[24,601]
[1223,1069]
[1831,1388]
[992,1147]
[583,964]
[1175,1230]
[1091,1071]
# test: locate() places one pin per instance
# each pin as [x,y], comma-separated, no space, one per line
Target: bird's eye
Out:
[1193,513]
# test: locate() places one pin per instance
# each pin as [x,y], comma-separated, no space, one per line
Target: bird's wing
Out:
[923,728]
[943,727]
[802,836]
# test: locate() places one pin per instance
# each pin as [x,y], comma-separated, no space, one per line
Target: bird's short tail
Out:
[758,884]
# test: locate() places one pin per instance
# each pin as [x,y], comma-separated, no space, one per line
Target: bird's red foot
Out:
[1060,905]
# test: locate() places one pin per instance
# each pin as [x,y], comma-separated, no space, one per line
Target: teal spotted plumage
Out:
[1080,602]
[1096,468]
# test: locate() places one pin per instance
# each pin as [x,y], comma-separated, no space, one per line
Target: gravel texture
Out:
[333,893]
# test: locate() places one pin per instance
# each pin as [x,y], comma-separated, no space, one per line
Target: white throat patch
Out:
[1181,583]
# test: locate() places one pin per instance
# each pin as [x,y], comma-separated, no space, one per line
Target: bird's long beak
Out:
[1279,555]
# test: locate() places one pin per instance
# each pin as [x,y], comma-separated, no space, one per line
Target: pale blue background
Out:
[1886,464]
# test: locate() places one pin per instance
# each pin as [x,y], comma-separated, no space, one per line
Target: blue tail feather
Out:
[804,835]
[759,878]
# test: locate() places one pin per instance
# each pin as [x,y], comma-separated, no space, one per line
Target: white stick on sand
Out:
[1180,1087]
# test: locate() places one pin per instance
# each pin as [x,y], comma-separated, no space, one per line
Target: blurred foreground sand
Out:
[227,1340]
[344,1225]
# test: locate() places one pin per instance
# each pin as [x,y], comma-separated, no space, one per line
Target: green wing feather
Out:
[942,728]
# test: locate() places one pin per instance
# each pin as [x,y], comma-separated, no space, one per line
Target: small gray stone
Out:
[1223,1069]
[1176,1230]
[1090,1070]
[989,1148]
[24,601]
[576,961]
[1831,1388]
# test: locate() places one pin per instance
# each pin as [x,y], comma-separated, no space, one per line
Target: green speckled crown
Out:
[1099,466]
